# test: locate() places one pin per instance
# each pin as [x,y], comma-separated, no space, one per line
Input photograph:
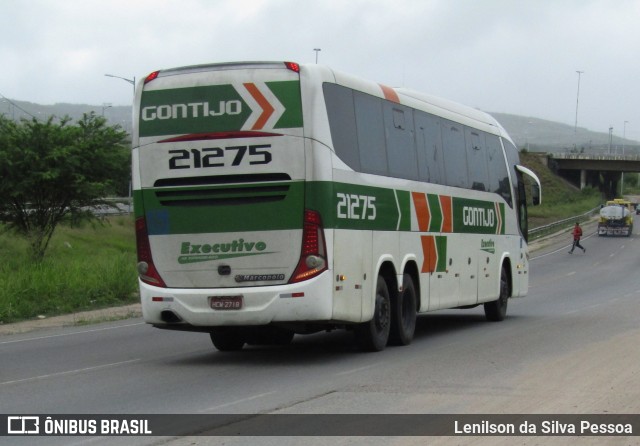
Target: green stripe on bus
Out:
[288,93]
[199,210]
[477,216]
[279,206]
[436,213]
[212,108]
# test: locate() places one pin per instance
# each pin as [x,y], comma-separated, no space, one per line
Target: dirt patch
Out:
[74,319]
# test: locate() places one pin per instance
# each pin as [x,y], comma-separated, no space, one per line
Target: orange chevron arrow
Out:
[267,108]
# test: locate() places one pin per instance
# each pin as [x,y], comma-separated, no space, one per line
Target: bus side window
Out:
[371,138]
[401,148]
[476,159]
[498,173]
[455,154]
[429,148]
[342,123]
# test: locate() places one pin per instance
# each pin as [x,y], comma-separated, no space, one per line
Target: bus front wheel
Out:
[372,336]
[496,311]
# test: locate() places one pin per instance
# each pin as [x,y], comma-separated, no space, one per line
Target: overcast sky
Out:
[508,56]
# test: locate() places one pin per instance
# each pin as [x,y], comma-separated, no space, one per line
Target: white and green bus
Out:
[276,198]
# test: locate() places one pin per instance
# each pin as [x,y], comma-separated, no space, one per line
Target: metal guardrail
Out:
[541,231]
[119,206]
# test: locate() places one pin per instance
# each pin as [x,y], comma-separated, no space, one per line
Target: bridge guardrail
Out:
[541,231]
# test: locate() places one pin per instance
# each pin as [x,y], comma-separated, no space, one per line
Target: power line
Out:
[16,106]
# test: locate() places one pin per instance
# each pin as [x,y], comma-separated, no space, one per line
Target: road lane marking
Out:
[69,372]
[359,369]
[69,334]
[243,400]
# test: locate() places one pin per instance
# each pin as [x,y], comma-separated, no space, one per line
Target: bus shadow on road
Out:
[319,348]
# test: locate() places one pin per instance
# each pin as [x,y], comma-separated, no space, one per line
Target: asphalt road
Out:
[570,346]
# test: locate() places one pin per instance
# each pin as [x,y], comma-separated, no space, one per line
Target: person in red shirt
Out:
[577,234]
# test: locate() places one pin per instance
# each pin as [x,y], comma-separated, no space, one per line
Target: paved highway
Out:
[568,347]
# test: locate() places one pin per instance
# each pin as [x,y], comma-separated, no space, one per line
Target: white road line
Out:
[243,400]
[69,372]
[359,369]
[69,334]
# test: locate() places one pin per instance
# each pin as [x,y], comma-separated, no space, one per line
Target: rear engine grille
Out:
[222,190]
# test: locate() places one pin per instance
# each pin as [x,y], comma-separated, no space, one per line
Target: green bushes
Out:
[85,268]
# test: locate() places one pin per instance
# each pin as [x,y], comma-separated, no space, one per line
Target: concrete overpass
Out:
[603,171]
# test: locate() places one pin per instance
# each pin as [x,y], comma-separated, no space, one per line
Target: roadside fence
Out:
[541,231]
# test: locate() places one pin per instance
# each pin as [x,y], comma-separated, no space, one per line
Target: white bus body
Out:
[277,198]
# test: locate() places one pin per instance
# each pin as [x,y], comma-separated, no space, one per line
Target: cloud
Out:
[497,55]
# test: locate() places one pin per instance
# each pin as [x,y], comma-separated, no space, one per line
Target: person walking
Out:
[577,234]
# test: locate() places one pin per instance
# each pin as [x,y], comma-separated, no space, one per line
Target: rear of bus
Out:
[223,235]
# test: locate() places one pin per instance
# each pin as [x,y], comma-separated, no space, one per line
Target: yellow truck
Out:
[616,218]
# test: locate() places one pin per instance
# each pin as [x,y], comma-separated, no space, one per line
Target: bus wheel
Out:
[497,310]
[227,339]
[403,313]
[372,336]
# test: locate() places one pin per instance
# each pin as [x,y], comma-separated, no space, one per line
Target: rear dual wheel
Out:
[394,318]
[403,314]
[372,336]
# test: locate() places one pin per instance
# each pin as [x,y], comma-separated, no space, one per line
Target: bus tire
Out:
[373,336]
[227,339]
[403,313]
[496,311]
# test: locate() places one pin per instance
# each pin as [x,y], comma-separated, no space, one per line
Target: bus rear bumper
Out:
[191,309]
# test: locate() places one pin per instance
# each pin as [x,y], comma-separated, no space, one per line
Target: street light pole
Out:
[624,134]
[105,106]
[610,138]
[317,50]
[131,81]
[575,129]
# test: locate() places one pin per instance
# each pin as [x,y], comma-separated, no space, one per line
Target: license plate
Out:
[226,302]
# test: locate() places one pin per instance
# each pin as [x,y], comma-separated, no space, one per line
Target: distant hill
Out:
[20,109]
[534,134]
[539,135]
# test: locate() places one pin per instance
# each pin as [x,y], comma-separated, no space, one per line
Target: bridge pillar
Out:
[583,179]
[611,184]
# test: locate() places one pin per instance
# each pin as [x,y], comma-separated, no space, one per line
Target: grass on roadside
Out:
[85,268]
[560,199]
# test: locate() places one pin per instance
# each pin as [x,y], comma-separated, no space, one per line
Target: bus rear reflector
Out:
[313,255]
[146,269]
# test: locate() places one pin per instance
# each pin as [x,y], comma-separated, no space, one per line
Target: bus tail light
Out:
[146,269]
[292,66]
[151,77]
[313,255]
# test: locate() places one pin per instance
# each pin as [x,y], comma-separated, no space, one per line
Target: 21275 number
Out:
[219,156]
[356,207]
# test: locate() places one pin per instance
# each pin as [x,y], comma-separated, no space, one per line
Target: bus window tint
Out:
[498,176]
[429,147]
[476,159]
[401,149]
[455,156]
[511,154]
[342,120]
[371,138]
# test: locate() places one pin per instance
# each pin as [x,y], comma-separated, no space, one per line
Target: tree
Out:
[53,170]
